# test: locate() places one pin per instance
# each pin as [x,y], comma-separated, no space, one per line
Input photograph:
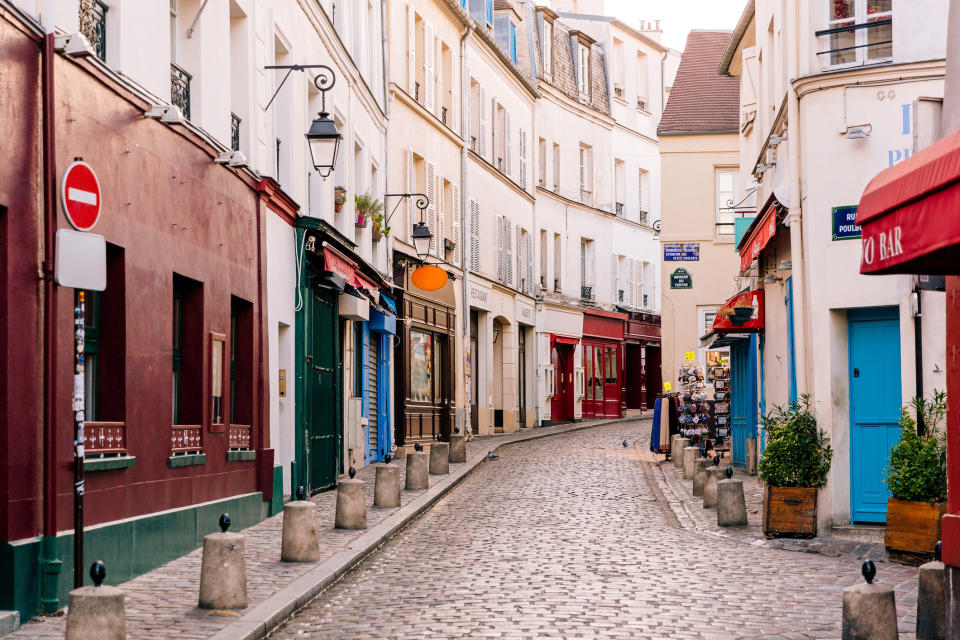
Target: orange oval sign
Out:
[429,277]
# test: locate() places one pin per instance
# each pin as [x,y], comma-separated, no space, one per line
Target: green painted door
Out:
[322,371]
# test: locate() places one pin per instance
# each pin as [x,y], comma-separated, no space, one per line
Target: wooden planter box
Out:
[913,529]
[789,512]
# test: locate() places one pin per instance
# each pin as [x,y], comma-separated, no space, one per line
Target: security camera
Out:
[232,158]
[73,44]
[165,113]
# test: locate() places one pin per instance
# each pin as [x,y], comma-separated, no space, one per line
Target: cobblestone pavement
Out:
[163,602]
[571,537]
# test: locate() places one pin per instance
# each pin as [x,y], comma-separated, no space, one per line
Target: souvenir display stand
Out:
[695,409]
[719,377]
[665,423]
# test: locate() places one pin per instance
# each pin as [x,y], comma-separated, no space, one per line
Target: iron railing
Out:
[416,91]
[235,132]
[586,291]
[443,115]
[180,88]
[725,228]
[93,25]
[619,208]
[837,53]
[585,196]
[644,216]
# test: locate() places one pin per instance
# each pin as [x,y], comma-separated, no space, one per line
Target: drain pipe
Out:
[50,563]
[464,222]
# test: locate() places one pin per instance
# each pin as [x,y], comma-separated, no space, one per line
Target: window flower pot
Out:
[362,220]
[789,512]
[913,529]
[376,234]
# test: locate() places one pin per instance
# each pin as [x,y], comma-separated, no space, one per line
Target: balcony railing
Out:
[585,196]
[644,216]
[725,228]
[416,91]
[586,291]
[620,296]
[239,436]
[619,208]
[843,41]
[93,25]
[235,132]
[186,437]
[104,437]
[642,103]
[180,88]
[443,115]
[618,91]
[474,144]
[556,284]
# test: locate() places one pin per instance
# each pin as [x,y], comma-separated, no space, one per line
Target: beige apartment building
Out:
[699,164]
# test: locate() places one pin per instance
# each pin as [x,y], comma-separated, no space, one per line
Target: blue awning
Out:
[388,302]
[382,323]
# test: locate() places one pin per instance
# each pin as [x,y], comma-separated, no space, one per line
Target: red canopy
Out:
[724,323]
[760,232]
[910,214]
[564,339]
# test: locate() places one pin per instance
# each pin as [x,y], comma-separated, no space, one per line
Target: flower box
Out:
[789,512]
[913,529]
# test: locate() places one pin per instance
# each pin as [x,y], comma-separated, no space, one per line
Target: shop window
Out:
[187,351]
[421,366]
[611,358]
[241,373]
[597,373]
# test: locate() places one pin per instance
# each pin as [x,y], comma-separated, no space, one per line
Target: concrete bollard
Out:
[731,507]
[931,600]
[223,570]
[678,451]
[458,449]
[700,474]
[673,446]
[751,456]
[351,505]
[690,455]
[869,610]
[417,470]
[97,612]
[714,476]
[440,458]
[300,540]
[386,486]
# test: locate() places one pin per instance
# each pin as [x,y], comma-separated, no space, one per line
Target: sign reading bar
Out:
[680,279]
[844,223]
[681,252]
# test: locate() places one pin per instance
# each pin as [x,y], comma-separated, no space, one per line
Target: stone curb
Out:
[265,616]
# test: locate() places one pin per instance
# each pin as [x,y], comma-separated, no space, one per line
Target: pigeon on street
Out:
[491,455]
[625,443]
[417,446]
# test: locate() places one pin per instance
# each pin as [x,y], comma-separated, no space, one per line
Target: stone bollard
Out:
[673,446]
[700,474]
[751,456]
[714,475]
[678,451]
[458,449]
[223,570]
[931,600]
[417,470]
[300,540]
[440,458]
[731,507]
[351,504]
[386,486]
[690,455]
[97,612]
[869,610]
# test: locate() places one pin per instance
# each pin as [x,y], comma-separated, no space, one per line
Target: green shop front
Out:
[338,293]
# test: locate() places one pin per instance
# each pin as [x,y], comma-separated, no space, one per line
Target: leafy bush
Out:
[797,453]
[918,463]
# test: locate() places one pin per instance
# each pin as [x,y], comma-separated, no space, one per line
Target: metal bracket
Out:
[421,203]
[323,81]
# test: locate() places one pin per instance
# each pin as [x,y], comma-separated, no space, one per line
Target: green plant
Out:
[797,454]
[339,194]
[379,222]
[365,203]
[918,463]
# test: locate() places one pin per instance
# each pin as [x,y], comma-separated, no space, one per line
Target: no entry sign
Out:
[80,195]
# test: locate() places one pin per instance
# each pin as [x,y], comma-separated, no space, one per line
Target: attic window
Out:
[583,71]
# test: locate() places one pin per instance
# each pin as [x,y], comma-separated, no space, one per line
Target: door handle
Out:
[856,372]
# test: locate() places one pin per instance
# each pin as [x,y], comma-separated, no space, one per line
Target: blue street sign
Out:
[844,225]
[681,252]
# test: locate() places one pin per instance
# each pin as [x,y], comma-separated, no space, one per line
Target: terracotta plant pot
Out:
[789,512]
[338,207]
[376,234]
[913,529]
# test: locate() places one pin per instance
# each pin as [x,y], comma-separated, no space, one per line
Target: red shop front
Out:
[603,364]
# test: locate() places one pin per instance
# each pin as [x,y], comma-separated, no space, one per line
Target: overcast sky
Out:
[678,17]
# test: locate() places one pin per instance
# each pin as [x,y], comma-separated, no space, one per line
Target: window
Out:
[583,71]
[618,69]
[557,262]
[726,179]
[547,48]
[421,366]
[556,166]
[542,162]
[858,31]
[642,178]
[187,351]
[586,266]
[173,30]
[241,365]
[543,259]
[513,43]
[357,360]
[217,365]
[586,174]
[643,82]
[619,186]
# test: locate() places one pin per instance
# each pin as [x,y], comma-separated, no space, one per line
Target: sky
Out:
[678,17]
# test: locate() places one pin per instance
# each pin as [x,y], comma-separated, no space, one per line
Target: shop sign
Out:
[844,225]
[479,297]
[681,279]
[681,252]
[729,320]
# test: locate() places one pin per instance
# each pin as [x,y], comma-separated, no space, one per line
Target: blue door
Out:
[874,342]
[384,430]
[791,343]
[743,396]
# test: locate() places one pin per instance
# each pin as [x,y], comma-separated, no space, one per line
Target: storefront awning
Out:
[910,214]
[729,320]
[564,339]
[759,234]
[720,340]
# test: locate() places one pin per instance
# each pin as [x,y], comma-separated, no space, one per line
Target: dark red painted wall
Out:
[172,210]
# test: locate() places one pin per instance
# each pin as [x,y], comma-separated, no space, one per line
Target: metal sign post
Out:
[79,406]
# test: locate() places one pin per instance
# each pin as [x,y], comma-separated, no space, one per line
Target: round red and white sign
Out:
[80,195]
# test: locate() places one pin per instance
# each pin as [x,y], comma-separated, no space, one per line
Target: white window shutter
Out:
[631,293]
[508,151]
[523,159]
[614,279]
[438,64]
[530,289]
[411,50]
[508,236]
[431,180]
[441,226]
[501,276]
[519,258]
[428,75]
[482,134]
[411,187]
[638,284]
[590,258]
[455,234]
[474,236]
[493,126]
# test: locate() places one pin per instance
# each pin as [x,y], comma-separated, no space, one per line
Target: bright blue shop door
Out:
[384,430]
[874,341]
[743,397]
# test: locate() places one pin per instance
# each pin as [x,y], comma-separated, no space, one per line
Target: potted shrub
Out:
[742,312]
[339,197]
[917,480]
[380,227]
[794,465]
[365,206]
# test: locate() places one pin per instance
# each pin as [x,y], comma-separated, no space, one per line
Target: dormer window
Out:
[548,48]
[583,71]
[505,33]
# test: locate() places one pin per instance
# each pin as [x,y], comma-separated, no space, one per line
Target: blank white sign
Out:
[81,260]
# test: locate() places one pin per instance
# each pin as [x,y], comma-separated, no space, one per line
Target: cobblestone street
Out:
[571,536]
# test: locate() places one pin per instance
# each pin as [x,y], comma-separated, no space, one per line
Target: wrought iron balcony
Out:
[644,216]
[619,208]
[443,115]
[235,132]
[586,291]
[474,144]
[725,228]
[556,284]
[93,25]
[642,103]
[180,88]
[620,295]
[585,196]
[416,91]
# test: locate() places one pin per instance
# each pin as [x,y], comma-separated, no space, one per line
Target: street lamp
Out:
[421,239]
[323,137]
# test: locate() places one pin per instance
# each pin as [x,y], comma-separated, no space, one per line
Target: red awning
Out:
[564,339]
[760,233]
[910,214]
[726,319]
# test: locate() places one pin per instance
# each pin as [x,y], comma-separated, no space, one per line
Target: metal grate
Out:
[235,132]
[586,292]
[180,88]
[643,216]
[93,25]
[619,206]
